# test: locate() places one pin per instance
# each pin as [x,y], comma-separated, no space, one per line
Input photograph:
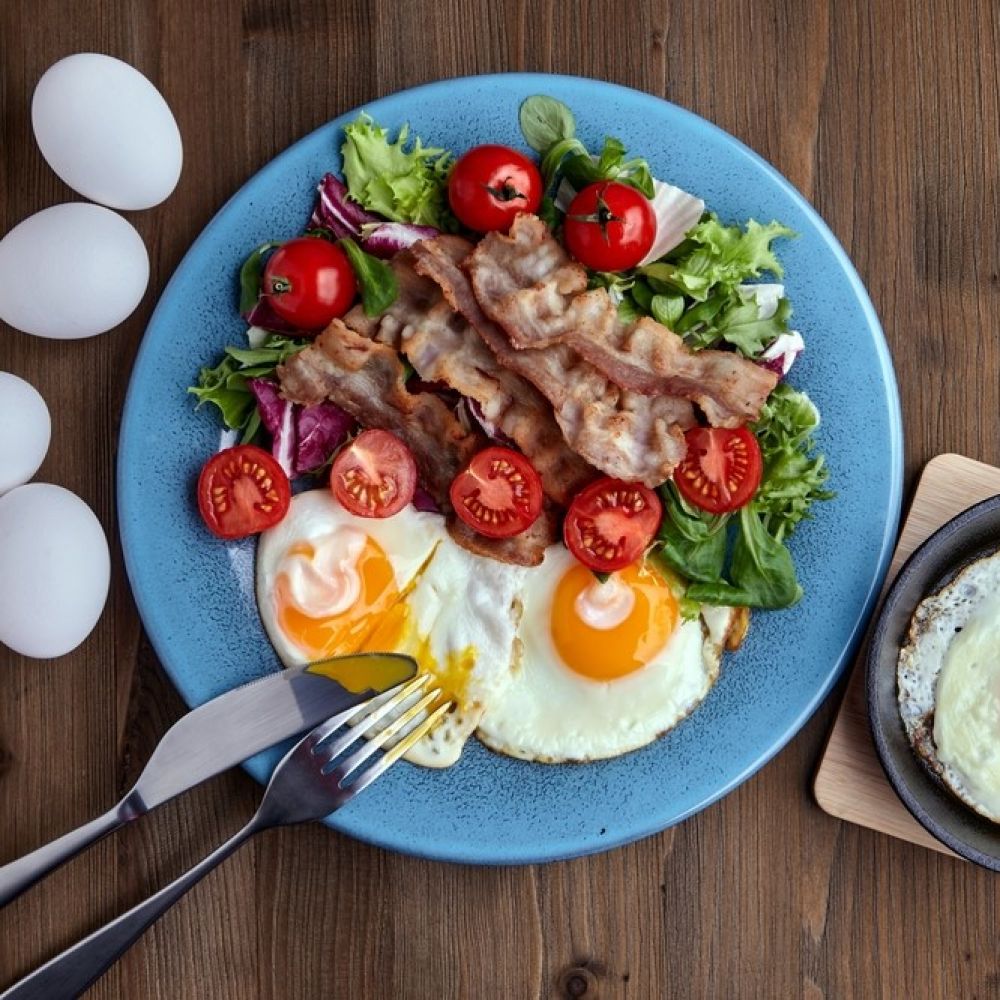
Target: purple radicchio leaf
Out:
[422,500]
[264,316]
[321,429]
[278,417]
[337,212]
[386,239]
[490,429]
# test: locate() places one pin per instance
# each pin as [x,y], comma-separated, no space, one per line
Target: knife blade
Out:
[218,735]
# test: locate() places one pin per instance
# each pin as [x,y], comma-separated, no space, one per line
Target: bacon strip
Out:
[632,437]
[443,347]
[527,284]
[366,379]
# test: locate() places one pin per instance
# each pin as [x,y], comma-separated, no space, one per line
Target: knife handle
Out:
[71,972]
[19,875]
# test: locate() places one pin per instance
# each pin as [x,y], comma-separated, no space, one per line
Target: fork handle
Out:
[72,971]
[19,875]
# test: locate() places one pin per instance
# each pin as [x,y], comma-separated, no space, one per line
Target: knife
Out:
[220,734]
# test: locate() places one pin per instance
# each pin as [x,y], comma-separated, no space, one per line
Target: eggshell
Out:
[25,429]
[54,570]
[107,131]
[71,271]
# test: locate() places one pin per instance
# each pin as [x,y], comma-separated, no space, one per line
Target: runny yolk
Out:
[334,635]
[603,654]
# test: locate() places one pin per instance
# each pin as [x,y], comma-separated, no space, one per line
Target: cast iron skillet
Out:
[972,533]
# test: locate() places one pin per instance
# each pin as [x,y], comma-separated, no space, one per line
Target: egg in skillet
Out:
[948,684]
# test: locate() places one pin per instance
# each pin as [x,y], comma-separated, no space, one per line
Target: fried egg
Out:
[602,668]
[330,583]
[948,684]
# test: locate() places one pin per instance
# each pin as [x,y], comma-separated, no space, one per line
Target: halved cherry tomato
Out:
[721,470]
[242,491]
[308,282]
[490,184]
[375,475]
[609,524]
[499,493]
[609,226]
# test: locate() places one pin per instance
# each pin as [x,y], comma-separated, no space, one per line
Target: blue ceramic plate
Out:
[196,596]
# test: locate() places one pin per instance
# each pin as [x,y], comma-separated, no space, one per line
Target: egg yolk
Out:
[603,654]
[346,632]
[395,633]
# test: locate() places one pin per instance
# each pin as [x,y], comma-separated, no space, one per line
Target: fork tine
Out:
[391,756]
[346,767]
[399,693]
[354,733]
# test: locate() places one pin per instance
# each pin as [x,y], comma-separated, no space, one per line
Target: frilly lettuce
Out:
[399,183]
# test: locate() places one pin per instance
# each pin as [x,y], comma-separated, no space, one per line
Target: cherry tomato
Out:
[499,493]
[610,524]
[721,470]
[242,491]
[309,282]
[489,185]
[375,475]
[609,226]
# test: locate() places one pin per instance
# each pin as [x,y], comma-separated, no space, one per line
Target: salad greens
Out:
[549,128]
[400,184]
[376,279]
[760,573]
[226,386]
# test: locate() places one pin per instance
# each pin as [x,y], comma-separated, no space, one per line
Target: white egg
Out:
[107,131]
[601,672]
[71,271]
[948,684]
[54,570]
[25,429]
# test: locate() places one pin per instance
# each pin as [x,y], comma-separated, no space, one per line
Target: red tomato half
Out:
[721,470]
[375,475]
[610,524]
[609,226]
[489,185]
[309,282]
[242,491]
[498,493]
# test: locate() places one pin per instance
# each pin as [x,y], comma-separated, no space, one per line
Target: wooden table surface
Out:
[885,115]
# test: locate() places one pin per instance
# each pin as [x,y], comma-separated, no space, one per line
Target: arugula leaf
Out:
[250,277]
[544,121]
[377,280]
[225,385]
[403,184]
[794,479]
[761,570]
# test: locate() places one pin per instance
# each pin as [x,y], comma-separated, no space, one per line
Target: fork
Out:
[306,785]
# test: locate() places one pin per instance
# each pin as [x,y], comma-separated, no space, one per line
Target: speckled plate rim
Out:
[946,552]
[586,843]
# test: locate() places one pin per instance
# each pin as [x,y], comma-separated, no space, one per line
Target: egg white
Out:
[948,684]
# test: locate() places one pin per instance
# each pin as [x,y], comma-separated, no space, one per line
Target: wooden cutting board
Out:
[850,783]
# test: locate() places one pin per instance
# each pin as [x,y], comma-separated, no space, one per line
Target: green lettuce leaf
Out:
[692,542]
[794,478]
[376,279]
[225,385]
[403,184]
[716,258]
[735,319]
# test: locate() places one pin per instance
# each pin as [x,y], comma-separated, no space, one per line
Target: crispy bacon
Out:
[366,379]
[624,434]
[443,347]
[525,549]
[526,283]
